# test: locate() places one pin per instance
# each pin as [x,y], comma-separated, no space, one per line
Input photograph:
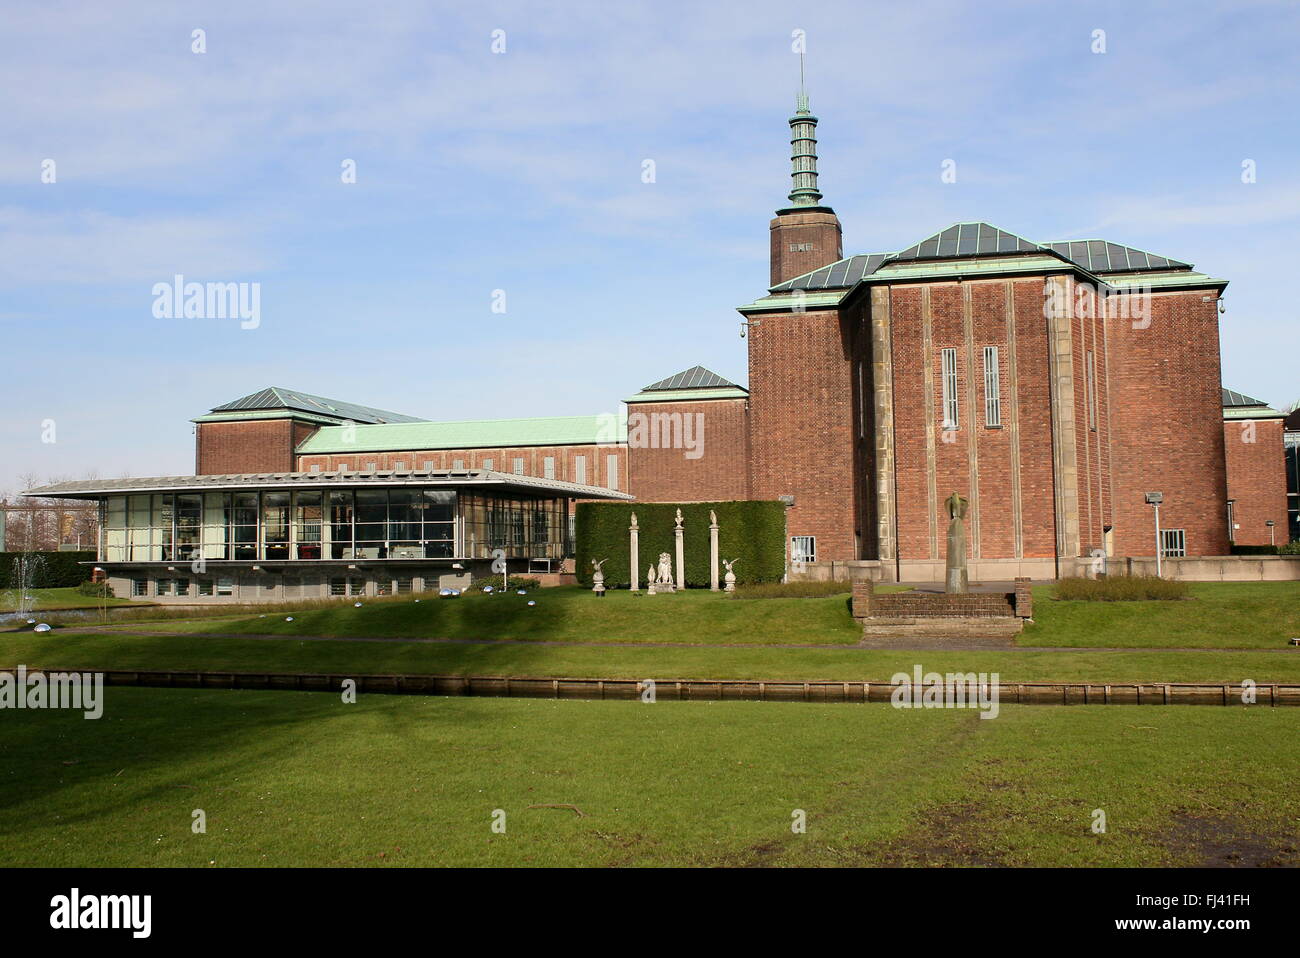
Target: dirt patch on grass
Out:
[1216,841]
[953,834]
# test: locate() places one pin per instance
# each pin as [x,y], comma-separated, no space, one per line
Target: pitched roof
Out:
[277,397]
[468,434]
[1240,406]
[968,239]
[971,240]
[697,377]
[1100,256]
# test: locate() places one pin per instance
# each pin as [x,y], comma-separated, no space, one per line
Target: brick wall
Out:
[801,425]
[566,468]
[1166,404]
[1256,462]
[802,242]
[255,445]
[661,470]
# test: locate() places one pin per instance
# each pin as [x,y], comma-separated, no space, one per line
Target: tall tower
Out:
[805,235]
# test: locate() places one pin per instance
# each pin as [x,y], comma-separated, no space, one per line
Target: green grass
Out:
[1226,615]
[55,599]
[568,614]
[301,779]
[1223,615]
[188,652]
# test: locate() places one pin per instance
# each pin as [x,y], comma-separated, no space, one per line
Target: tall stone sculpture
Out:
[713,551]
[957,579]
[681,552]
[598,578]
[731,575]
[634,544]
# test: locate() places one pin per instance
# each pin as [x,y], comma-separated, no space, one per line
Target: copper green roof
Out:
[1240,406]
[690,385]
[469,434]
[978,241]
[281,400]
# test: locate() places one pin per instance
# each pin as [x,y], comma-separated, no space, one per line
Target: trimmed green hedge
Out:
[59,570]
[752,531]
[1286,549]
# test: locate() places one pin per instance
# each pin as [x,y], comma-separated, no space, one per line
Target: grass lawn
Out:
[301,779]
[1225,615]
[108,650]
[56,599]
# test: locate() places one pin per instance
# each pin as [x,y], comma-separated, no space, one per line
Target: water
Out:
[26,570]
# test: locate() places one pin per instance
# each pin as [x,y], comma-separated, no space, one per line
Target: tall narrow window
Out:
[951,419]
[992,388]
[548,467]
[611,472]
[519,467]
[580,470]
[1091,373]
[488,464]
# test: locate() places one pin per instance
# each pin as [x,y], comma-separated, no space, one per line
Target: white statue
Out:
[598,577]
[713,518]
[679,518]
[730,577]
[665,576]
[650,581]
[634,520]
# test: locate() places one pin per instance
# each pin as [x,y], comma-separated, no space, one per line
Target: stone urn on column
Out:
[957,580]
[634,541]
[713,551]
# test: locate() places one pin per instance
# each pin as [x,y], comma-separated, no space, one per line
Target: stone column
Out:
[634,545]
[713,551]
[681,554]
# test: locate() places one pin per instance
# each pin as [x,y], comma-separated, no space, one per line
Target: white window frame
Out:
[803,549]
[517,467]
[580,470]
[1173,543]
[611,472]
[948,381]
[992,387]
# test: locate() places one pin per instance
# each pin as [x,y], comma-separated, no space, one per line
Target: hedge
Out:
[752,531]
[1286,549]
[59,570]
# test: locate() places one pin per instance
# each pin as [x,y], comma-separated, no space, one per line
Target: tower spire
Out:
[803,149]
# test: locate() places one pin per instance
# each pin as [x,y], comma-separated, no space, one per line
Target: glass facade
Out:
[331,524]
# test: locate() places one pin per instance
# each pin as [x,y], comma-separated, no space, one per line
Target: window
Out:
[164,587]
[458,464]
[611,472]
[400,466]
[862,401]
[315,468]
[404,584]
[1173,543]
[225,587]
[518,467]
[338,586]
[205,587]
[1090,387]
[951,419]
[548,467]
[182,586]
[489,464]
[580,470]
[139,586]
[428,465]
[992,388]
[803,548]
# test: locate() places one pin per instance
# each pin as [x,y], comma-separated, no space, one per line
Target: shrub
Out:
[1238,550]
[514,582]
[752,531]
[95,589]
[58,570]
[793,590]
[1136,588]
[1290,549]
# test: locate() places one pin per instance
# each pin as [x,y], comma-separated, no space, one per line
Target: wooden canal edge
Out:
[689,690]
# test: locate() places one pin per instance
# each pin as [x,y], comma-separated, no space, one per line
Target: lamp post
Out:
[103,592]
[1271,540]
[1154,499]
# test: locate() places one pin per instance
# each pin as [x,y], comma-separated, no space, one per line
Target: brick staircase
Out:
[938,620]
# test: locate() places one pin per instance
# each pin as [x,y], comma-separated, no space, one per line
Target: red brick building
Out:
[1053,384]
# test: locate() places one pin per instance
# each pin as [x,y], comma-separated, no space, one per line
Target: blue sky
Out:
[521,171]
